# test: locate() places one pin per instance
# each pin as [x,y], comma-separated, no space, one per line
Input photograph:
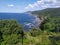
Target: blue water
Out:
[26,20]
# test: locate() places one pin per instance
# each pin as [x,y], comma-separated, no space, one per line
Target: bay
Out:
[26,20]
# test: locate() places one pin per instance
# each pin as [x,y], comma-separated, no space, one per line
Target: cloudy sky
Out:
[19,6]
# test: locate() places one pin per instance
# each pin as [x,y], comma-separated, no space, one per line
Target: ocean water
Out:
[26,20]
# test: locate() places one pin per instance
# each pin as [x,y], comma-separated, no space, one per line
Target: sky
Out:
[19,6]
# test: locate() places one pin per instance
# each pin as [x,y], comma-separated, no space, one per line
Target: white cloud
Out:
[10,5]
[29,6]
[44,4]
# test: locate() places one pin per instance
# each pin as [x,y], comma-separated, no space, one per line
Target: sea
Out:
[27,21]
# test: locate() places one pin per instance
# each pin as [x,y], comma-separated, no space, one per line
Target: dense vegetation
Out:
[10,33]
[48,33]
[50,26]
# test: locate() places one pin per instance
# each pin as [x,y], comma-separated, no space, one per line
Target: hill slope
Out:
[50,11]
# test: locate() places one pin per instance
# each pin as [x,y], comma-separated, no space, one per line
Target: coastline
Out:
[39,20]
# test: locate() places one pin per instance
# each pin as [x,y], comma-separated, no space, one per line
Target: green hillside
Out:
[51,11]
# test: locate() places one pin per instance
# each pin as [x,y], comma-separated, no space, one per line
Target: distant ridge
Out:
[51,11]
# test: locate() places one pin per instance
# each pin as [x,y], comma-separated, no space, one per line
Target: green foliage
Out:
[10,32]
[35,32]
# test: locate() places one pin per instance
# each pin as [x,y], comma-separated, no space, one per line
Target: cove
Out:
[26,20]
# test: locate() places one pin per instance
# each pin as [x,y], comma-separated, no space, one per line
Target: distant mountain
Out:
[50,11]
[28,12]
